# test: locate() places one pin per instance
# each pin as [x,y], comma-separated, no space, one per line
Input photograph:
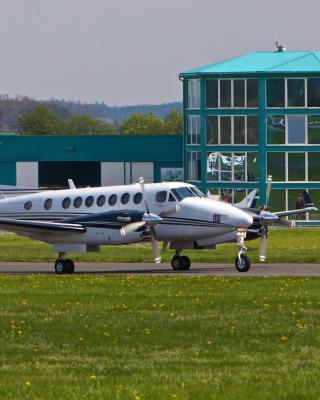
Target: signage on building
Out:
[171,174]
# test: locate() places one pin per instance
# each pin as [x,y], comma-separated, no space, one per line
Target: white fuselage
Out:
[197,218]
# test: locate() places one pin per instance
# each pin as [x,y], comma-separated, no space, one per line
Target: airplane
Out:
[82,219]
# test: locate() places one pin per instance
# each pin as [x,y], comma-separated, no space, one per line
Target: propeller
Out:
[266,218]
[149,220]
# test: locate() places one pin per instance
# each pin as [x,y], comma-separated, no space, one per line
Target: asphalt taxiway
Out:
[165,268]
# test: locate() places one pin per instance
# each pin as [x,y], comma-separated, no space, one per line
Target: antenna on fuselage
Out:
[71,184]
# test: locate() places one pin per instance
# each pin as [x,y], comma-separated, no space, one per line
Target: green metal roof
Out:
[263,62]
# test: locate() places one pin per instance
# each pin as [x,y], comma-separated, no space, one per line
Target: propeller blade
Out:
[165,246]
[263,248]
[125,230]
[269,183]
[141,181]
[155,248]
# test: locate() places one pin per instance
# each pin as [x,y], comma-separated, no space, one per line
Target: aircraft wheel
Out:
[186,263]
[70,266]
[61,266]
[180,263]
[244,264]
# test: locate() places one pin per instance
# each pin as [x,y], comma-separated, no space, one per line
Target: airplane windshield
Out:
[197,191]
[182,193]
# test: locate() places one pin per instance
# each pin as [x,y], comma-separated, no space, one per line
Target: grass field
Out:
[172,337]
[284,245]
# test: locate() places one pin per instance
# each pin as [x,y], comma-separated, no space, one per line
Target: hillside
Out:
[12,108]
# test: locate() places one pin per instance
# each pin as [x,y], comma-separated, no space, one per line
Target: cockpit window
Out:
[197,191]
[171,198]
[183,192]
[161,196]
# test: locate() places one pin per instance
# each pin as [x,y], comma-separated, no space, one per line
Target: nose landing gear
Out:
[242,261]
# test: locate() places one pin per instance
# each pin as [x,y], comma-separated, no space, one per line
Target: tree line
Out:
[42,120]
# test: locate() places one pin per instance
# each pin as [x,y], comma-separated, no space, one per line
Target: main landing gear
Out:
[242,261]
[63,266]
[179,262]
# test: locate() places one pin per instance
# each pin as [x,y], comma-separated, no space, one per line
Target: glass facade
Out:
[247,119]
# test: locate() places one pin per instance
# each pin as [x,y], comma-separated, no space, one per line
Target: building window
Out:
[193,93]
[275,92]
[276,129]
[239,130]
[296,129]
[277,201]
[314,129]
[232,166]
[212,93]
[252,93]
[212,130]
[225,93]
[277,166]
[194,166]
[239,93]
[313,92]
[193,129]
[313,167]
[295,93]
[296,167]
[225,130]
[252,129]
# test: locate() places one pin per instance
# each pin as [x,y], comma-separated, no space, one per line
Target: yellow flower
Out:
[93,377]
[27,383]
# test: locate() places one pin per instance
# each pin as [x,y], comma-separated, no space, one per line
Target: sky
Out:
[124,52]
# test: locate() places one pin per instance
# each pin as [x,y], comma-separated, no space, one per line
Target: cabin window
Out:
[161,196]
[66,202]
[48,204]
[77,202]
[137,198]
[101,200]
[125,198]
[28,205]
[89,201]
[112,199]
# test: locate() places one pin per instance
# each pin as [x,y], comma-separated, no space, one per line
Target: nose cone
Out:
[241,219]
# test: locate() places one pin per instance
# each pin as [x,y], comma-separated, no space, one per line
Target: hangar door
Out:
[55,174]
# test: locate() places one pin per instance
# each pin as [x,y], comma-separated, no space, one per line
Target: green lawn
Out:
[168,337]
[284,245]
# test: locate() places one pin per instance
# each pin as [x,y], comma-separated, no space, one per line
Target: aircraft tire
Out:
[180,263]
[61,266]
[244,264]
[186,263]
[70,266]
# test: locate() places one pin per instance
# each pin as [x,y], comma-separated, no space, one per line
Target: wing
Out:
[309,207]
[29,227]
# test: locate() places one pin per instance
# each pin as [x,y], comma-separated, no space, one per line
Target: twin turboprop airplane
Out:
[80,220]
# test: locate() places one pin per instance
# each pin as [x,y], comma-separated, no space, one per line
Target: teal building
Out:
[252,116]
[48,161]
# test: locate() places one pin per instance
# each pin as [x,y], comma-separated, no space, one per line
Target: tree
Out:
[40,121]
[174,121]
[139,123]
[87,125]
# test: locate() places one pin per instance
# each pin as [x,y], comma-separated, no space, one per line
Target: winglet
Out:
[71,184]
[307,200]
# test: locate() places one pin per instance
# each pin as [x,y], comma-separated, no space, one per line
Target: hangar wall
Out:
[33,161]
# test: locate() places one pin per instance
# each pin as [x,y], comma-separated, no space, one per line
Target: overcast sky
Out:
[131,51]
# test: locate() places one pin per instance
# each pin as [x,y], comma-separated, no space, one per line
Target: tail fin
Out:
[249,201]
[307,200]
